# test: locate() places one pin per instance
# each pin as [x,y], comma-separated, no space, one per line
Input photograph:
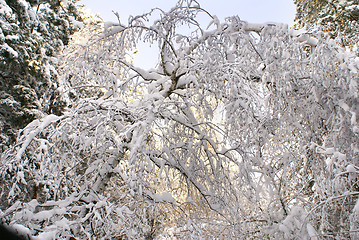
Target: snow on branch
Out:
[32,130]
[229,136]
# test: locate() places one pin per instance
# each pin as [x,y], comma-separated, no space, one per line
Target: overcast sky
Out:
[254,11]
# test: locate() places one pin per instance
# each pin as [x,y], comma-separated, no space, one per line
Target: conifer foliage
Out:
[339,18]
[31,34]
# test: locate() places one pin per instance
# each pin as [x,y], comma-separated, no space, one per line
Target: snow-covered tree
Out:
[339,18]
[240,131]
[31,34]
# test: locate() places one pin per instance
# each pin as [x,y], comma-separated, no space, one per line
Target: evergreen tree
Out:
[31,34]
[337,17]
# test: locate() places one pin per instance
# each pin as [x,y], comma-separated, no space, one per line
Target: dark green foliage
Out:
[338,18]
[31,34]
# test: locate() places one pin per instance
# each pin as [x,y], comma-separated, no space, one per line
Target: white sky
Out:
[254,11]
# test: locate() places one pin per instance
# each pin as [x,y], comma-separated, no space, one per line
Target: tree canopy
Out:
[241,131]
[339,18]
[31,34]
